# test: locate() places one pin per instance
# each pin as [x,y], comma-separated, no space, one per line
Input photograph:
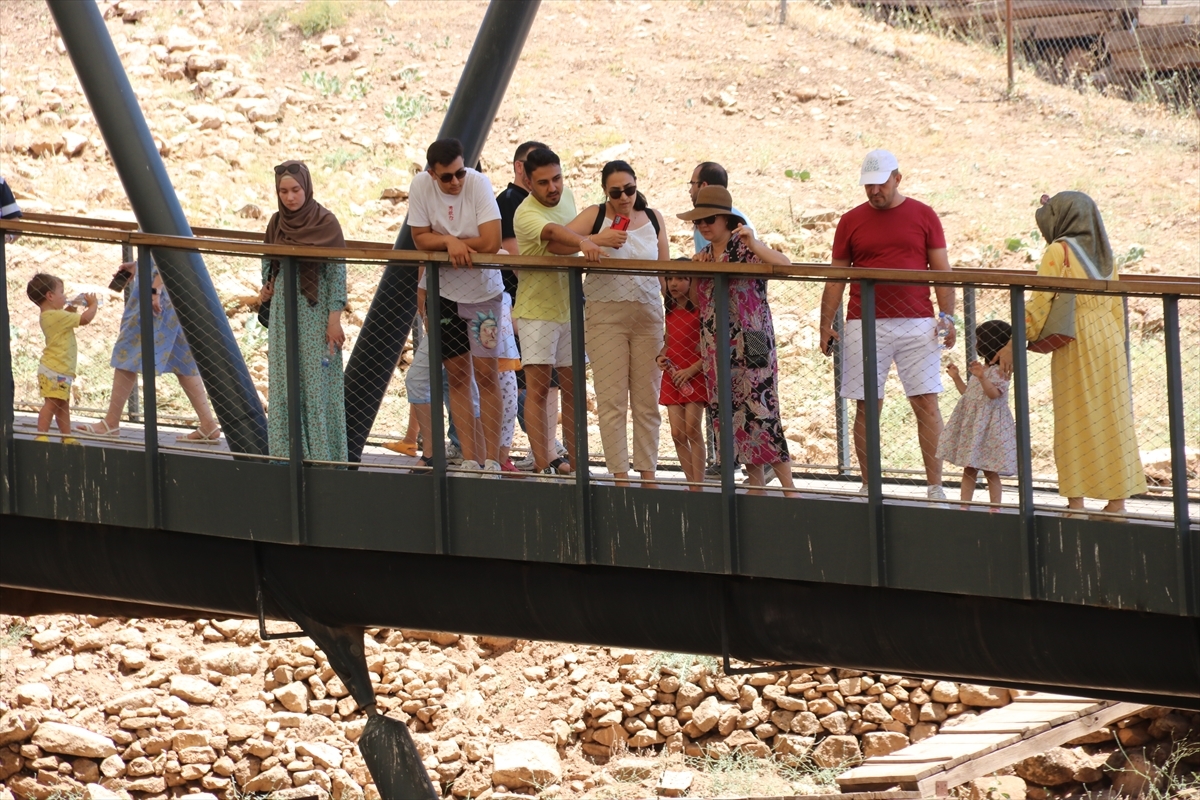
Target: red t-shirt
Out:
[898,238]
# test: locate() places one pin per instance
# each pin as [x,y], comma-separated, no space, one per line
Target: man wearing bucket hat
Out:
[891,231]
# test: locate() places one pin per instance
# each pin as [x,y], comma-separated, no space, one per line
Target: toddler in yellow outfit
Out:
[56,370]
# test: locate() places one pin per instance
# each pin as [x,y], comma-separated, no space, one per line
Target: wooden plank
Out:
[1085,707]
[952,753]
[998,759]
[1063,26]
[1015,726]
[1008,740]
[1133,61]
[885,775]
[1155,38]
[990,11]
[1049,697]
[949,745]
[1181,14]
[1015,710]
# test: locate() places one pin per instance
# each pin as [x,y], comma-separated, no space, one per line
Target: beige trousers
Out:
[623,340]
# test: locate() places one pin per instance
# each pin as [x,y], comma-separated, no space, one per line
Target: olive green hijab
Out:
[1074,218]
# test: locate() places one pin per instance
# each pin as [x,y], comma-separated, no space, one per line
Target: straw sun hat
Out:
[712,200]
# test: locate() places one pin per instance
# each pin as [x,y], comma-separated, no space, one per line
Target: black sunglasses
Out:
[628,191]
[707,220]
[446,177]
[293,169]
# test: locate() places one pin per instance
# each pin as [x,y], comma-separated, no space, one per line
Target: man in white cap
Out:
[891,231]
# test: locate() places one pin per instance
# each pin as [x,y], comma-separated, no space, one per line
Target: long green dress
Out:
[322,394]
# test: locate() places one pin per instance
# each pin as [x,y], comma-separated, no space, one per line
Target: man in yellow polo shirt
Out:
[543,312]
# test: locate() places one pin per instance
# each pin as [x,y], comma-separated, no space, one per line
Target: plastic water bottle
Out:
[944,325]
[671,370]
[81,300]
[325,361]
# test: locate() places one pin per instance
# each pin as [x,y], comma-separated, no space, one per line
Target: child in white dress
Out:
[981,434]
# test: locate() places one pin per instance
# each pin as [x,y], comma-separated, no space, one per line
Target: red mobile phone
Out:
[620,223]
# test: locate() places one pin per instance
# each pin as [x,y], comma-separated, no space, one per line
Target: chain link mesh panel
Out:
[1136,49]
[635,423]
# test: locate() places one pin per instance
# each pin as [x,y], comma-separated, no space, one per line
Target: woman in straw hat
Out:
[757,430]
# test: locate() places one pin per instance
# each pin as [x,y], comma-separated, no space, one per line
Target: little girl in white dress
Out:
[981,434]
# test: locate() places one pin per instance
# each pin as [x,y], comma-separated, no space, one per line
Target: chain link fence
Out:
[1136,49]
[531,375]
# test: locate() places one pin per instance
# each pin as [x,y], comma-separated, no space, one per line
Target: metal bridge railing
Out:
[801,399]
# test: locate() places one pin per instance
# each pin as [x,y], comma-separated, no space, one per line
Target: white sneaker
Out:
[935,492]
[454,455]
[491,466]
[525,464]
[468,464]
[863,489]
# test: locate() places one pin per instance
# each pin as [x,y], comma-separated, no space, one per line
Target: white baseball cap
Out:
[877,167]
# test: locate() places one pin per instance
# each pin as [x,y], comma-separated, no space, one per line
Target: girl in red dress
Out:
[684,393]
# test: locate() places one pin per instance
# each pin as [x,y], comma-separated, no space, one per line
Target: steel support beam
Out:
[119,117]
[998,642]
[389,320]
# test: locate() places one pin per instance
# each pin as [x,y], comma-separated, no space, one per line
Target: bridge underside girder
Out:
[55,566]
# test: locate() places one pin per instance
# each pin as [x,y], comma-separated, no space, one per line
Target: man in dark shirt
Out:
[508,200]
[8,208]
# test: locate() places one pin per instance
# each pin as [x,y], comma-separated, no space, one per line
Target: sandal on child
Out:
[556,467]
[402,447]
[99,428]
[200,437]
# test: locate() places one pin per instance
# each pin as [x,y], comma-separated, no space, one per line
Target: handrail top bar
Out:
[248,244]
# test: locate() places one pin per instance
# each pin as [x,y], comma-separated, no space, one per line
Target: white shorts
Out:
[544,343]
[911,343]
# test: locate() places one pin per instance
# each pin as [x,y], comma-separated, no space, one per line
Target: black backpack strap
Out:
[653,220]
[599,219]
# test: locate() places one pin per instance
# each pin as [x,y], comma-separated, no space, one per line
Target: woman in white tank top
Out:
[624,325]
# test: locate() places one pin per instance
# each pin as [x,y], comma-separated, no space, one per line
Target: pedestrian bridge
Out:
[1021,593]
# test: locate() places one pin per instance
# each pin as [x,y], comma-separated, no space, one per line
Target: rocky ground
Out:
[154,709]
[357,89]
[103,709]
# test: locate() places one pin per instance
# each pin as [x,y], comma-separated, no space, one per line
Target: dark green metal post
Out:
[476,100]
[841,407]
[295,403]
[145,276]
[1185,545]
[969,323]
[583,471]
[1020,384]
[114,104]
[729,532]
[437,424]
[7,398]
[132,405]
[874,463]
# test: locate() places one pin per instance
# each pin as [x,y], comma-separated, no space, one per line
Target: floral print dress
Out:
[322,393]
[757,430]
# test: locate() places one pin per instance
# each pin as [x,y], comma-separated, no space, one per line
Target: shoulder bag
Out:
[1059,328]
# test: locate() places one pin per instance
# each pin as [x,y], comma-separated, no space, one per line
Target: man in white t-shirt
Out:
[453,208]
